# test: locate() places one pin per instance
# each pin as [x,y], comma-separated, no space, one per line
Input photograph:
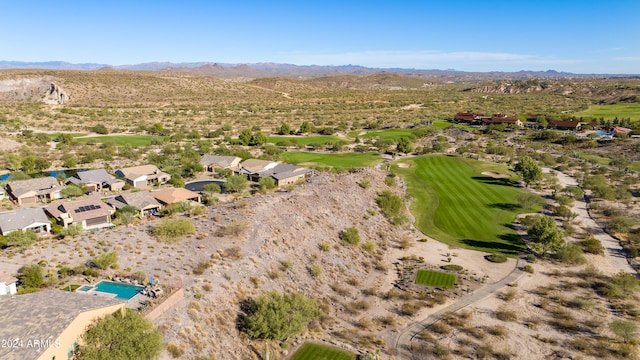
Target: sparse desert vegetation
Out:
[408,212]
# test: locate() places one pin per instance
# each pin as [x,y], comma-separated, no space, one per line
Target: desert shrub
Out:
[392,207]
[315,270]
[531,258]
[506,315]
[452,267]
[369,247]
[496,258]
[574,191]
[234,229]
[233,253]
[72,230]
[172,230]
[31,276]
[276,316]
[390,180]
[365,183]
[175,350]
[19,239]
[236,183]
[410,308]
[201,267]
[267,183]
[105,260]
[528,268]
[177,208]
[627,282]
[570,254]
[508,295]
[627,330]
[211,188]
[325,246]
[621,224]
[350,236]
[139,276]
[593,246]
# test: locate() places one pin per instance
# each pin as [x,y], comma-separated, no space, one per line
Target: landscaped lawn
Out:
[306,140]
[346,161]
[310,351]
[393,134]
[455,204]
[620,110]
[435,278]
[133,140]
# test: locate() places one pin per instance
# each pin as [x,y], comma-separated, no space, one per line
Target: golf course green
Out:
[311,351]
[344,161]
[455,203]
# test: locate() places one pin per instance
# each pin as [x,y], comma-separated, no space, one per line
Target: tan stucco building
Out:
[48,325]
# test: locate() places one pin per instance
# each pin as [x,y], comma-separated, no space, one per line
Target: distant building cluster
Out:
[96,211]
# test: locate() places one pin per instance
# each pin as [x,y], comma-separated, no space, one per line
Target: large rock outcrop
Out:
[56,95]
[32,88]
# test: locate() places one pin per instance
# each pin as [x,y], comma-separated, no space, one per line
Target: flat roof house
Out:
[90,213]
[33,219]
[7,284]
[175,195]
[97,180]
[31,191]
[143,176]
[141,200]
[48,324]
[213,162]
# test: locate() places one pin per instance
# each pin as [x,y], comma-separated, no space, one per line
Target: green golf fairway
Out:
[457,205]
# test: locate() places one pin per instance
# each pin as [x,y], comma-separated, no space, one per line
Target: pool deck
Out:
[137,301]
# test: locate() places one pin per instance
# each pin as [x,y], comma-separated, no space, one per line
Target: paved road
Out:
[409,333]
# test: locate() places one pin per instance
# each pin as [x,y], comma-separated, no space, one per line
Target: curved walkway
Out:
[403,341]
[615,256]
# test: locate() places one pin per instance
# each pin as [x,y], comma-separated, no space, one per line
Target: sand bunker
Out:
[496,175]
[403,165]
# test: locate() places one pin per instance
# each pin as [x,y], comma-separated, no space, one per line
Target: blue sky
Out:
[576,36]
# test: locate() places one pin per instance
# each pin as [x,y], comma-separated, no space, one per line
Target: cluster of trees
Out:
[121,336]
[278,316]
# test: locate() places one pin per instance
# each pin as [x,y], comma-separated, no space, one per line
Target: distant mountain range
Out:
[262,70]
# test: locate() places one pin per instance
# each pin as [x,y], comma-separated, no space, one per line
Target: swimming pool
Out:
[122,291]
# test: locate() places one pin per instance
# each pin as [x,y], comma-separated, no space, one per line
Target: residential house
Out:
[143,176]
[97,180]
[465,117]
[286,174]
[141,200]
[252,167]
[176,195]
[49,324]
[213,162]
[31,191]
[90,213]
[7,284]
[498,120]
[33,219]
[618,130]
[565,125]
